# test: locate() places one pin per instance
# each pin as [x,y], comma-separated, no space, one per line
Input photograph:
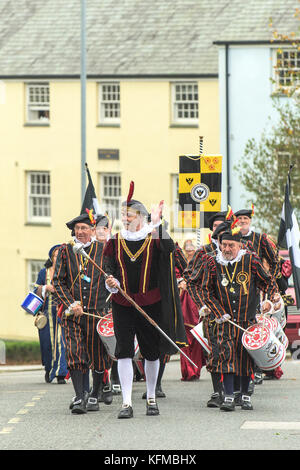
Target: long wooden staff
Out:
[77,247]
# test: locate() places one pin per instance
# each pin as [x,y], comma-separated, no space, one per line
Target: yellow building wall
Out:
[149,149]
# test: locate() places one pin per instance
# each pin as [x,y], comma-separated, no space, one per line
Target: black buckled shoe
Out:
[159,393]
[79,407]
[92,404]
[258,378]
[237,399]
[214,401]
[125,412]
[251,387]
[151,407]
[228,403]
[61,380]
[107,394]
[246,402]
[116,389]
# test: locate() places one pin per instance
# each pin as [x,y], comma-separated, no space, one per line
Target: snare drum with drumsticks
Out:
[262,345]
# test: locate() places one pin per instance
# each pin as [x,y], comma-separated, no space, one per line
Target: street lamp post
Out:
[83,97]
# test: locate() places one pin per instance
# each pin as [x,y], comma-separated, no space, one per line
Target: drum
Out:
[105,329]
[32,303]
[275,327]
[265,349]
[40,321]
[197,332]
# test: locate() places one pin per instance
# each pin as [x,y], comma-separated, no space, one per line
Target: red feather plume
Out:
[130,193]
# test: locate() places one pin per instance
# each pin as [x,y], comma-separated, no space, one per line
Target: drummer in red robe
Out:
[229,288]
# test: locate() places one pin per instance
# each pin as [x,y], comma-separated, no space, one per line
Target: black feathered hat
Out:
[247,212]
[218,216]
[133,203]
[85,218]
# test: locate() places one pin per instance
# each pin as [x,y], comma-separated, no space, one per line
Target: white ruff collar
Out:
[86,245]
[221,260]
[248,234]
[140,234]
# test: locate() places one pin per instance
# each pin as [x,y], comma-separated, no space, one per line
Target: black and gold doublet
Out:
[76,279]
[146,271]
[232,288]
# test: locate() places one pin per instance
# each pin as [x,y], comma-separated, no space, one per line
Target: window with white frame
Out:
[287,69]
[38,103]
[33,269]
[185,103]
[111,194]
[109,111]
[39,196]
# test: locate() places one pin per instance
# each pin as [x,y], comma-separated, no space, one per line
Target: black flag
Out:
[289,237]
[90,199]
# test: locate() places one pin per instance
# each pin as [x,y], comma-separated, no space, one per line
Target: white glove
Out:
[279,305]
[223,319]
[204,312]
[269,305]
[112,290]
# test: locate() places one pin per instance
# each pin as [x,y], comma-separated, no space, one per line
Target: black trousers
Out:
[129,322]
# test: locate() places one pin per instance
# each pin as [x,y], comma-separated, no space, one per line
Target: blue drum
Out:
[32,303]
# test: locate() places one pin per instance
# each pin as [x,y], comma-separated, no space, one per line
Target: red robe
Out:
[194,350]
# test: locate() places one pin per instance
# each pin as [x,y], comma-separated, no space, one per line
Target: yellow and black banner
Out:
[200,181]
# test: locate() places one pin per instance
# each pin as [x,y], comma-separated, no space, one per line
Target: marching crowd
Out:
[157,293]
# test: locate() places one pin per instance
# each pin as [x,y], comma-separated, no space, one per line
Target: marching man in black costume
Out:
[81,290]
[229,288]
[140,259]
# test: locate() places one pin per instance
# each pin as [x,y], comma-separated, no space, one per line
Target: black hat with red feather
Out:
[133,203]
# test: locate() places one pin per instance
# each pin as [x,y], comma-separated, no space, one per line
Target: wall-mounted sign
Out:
[108,154]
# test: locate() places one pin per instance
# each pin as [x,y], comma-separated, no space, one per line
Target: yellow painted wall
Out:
[149,150]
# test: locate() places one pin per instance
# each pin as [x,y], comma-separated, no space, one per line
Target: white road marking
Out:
[276,425]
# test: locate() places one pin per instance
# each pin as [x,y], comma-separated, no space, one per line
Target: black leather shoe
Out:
[47,378]
[116,389]
[258,378]
[159,392]
[79,407]
[125,412]
[251,387]
[151,407]
[214,401]
[92,404]
[61,380]
[107,395]
[246,402]
[237,399]
[228,403]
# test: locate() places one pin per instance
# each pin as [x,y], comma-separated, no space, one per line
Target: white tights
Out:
[125,371]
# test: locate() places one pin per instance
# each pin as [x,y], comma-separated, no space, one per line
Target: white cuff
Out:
[44,291]
[112,290]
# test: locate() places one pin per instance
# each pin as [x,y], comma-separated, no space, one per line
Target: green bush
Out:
[22,352]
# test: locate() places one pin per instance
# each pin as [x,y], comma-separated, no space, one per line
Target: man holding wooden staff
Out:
[140,260]
[229,288]
[81,289]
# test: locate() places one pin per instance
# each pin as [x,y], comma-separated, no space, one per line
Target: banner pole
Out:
[199,241]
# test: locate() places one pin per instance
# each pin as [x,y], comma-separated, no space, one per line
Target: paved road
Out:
[35,415]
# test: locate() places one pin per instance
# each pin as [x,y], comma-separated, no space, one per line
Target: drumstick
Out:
[78,247]
[86,313]
[238,326]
